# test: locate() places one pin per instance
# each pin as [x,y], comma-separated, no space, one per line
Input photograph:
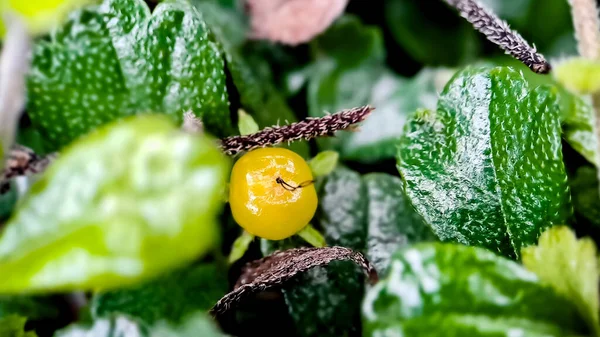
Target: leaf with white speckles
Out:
[451,290]
[486,168]
[118,59]
[131,200]
[367,213]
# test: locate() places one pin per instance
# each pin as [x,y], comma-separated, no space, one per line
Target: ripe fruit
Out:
[271,193]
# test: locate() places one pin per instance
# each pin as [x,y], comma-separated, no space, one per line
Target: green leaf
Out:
[442,289]
[251,75]
[133,199]
[32,307]
[14,326]
[117,59]
[431,32]
[486,168]
[170,297]
[394,99]
[323,163]
[368,214]
[586,199]
[240,246]
[195,324]
[578,126]
[312,236]
[570,266]
[246,123]
[579,75]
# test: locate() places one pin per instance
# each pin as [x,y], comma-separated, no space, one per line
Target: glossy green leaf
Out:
[442,289]
[169,297]
[134,199]
[368,214]
[570,266]
[486,168]
[586,199]
[117,59]
[14,326]
[194,325]
[431,32]
[251,76]
[323,163]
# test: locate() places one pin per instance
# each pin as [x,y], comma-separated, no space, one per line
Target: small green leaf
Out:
[579,127]
[118,59]
[246,123]
[170,297]
[486,168]
[442,289]
[579,75]
[14,326]
[32,307]
[312,236]
[586,199]
[570,267]
[323,163]
[240,246]
[195,324]
[132,200]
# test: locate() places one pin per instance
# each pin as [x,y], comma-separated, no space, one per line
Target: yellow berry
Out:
[263,197]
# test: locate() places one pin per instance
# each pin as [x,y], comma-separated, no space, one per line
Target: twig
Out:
[587,34]
[14,64]
[497,31]
[278,268]
[23,161]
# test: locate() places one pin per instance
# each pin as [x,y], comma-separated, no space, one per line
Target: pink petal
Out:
[292,22]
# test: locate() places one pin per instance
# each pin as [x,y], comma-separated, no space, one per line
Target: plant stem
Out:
[497,31]
[14,65]
[587,34]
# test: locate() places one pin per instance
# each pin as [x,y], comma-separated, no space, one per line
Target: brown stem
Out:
[497,31]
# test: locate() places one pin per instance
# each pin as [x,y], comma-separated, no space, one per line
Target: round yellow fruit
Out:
[271,193]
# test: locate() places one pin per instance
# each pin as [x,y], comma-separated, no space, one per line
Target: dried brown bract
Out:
[292,22]
[498,32]
[276,269]
[304,130]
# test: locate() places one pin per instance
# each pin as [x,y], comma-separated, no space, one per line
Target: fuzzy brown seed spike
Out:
[498,32]
[22,161]
[304,130]
[281,266]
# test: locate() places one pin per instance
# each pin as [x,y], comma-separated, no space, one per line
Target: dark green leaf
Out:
[364,213]
[117,59]
[442,289]
[251,75]
[13,326]
[32,307]
[586,199]
[486,168]
[194,325]
[169,297]
[133,199]
[431,32]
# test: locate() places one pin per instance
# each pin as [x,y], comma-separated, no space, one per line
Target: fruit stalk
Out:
[497,31]
[587,34]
